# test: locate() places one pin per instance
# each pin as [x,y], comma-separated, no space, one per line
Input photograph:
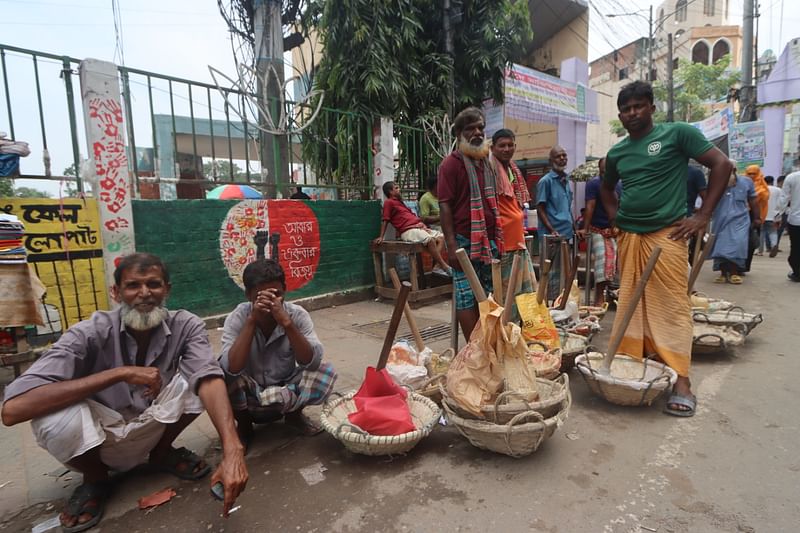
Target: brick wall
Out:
[186,234]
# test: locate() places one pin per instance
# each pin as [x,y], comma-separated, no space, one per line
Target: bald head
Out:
[558,159]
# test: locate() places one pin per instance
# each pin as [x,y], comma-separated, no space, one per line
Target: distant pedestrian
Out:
[784,215]
[429,204]
[299,194]
[731,224]
[790,201]
[762,201]
[769,231]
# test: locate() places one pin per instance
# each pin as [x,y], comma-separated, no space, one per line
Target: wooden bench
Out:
[423,286]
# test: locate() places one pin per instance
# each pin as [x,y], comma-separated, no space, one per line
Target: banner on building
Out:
[747,144]
[533,96]
[717,125]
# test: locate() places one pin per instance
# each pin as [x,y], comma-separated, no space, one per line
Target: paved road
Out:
[733,467]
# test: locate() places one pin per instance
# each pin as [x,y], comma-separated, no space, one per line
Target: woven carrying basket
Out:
[730,317]
[593,310]
[711,338]
[552,398]
[630,382]
[572,345]
[430,389]
[424,413]
[546,362]
[521,436]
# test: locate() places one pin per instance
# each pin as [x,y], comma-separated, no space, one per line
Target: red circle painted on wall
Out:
[286,230]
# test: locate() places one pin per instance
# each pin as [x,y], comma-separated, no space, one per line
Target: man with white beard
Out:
[468,211]
[96,401]
[554,207]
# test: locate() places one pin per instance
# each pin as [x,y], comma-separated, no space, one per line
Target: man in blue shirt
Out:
[554,207]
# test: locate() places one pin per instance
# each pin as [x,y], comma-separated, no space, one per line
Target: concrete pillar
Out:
[774,118]
[382,155]
[571,133]
[105,137]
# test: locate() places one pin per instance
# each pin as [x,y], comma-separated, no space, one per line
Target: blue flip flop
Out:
[686,401]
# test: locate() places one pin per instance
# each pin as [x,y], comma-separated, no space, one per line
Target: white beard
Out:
[139,321]
[474,152]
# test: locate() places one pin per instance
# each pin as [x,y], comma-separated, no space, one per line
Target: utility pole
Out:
[273,149]
[450,49]
[650,46]
[670,82]
[747,92]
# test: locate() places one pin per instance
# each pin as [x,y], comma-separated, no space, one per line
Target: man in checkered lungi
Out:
[271,355]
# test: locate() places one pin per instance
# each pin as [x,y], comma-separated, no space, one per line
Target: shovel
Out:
[472,277]
[616,339]
[402,297]
[512,286]
[412,322]
[698,262]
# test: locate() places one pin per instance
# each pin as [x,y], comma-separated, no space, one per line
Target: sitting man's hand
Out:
[581,233]
[377,241]
[149,376]
[232,472]
[272,302]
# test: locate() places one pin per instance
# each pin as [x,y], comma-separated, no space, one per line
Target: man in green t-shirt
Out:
[429,204]
[652,162]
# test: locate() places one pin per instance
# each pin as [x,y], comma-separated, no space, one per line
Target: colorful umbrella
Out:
[233,192]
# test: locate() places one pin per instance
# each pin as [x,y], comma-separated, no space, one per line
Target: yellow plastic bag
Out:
[537,324]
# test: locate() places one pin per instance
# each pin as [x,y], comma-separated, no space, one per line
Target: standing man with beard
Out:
[554,207]
[651,162]
[468,211]
[117,389]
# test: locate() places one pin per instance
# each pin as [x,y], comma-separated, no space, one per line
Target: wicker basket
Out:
[546,362]
[593,310]
[706,304]
[521,436]
[572,345]
[552,398]
[424,413]
[630,382]
[711,338]
[732,316]
[430,389]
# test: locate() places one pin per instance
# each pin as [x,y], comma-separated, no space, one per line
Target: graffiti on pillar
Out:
[285,230]
[111,169]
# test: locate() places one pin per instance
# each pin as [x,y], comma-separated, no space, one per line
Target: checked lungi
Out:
[313,388]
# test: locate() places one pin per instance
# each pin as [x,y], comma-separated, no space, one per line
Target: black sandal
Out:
[77,505]
[176,456]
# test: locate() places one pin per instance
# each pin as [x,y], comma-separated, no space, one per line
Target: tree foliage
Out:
[388,57]
[696,86]
[6,187]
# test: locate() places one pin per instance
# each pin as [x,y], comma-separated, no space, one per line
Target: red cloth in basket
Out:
[381,405]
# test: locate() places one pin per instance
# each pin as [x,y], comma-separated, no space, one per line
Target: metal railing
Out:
[186,132]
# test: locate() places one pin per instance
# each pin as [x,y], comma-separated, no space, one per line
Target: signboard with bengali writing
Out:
[747,144]
[534,96]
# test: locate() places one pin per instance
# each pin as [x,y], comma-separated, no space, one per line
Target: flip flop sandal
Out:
[77,505]
[686,401]
[720,279]
[736,280]
[177,456]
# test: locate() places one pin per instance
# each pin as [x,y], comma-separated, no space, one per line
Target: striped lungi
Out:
[313,388]
[662,322]
[604,256]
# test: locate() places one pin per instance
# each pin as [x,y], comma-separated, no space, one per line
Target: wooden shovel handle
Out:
[402,297]
[698,262]
[472,277]
[572,273]
[619,332]
[497,279]
[512,286]
[412,322]
[545,277]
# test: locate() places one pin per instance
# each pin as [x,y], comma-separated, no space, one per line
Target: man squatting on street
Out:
[271,355]
[117,389]
[652,162]
[468,211]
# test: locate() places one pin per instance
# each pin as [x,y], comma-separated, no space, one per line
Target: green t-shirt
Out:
[428,205]
[653,171]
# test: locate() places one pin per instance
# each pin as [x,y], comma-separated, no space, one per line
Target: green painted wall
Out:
[186,235]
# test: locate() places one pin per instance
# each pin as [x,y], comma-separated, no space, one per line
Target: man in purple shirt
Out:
[96,401]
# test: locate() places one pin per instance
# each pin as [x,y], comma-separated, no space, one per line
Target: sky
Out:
[182,37]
